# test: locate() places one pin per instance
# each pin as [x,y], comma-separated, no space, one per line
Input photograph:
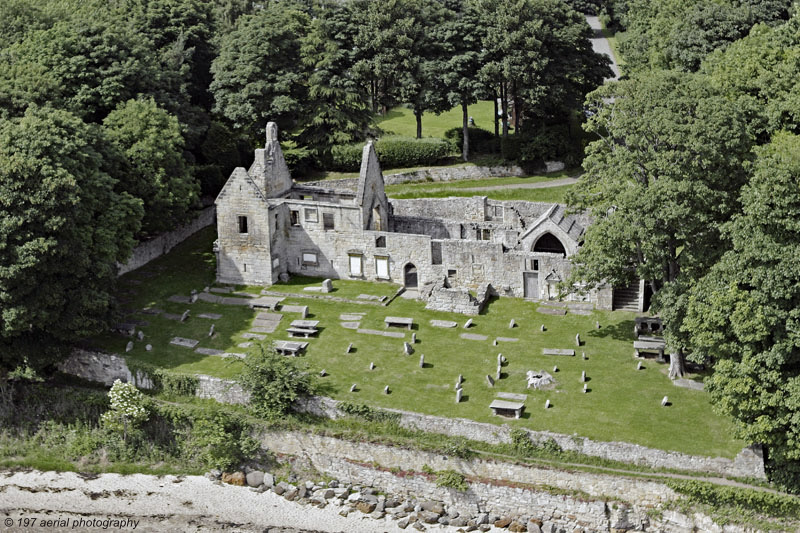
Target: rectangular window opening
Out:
[356,265]
[294,218]
[487,235]
[242,224]
[310,215]
[436,253]
[327,220]
[380,242]
[382,267]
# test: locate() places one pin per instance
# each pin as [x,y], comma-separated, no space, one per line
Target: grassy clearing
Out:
[623,403]
[546,194]
[401,121]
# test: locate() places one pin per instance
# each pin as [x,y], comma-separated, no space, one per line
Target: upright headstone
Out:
[185,315]
[304,312]
[322,373]
[129,346]
[577,339]
[407,349]
[211,331]
[542,328]
[206,288]
[193,298]
[583,354]
[193,292]
[460,379]
[413,338]
[664,401]
[386,389]
[458,395]
[555,369]
[349,348]
[583,376]
[458,385]
[639,365]
[422,361]
[140,335]
[500,359]
[512,324]
[547,404]
[352,387]
[327,285]
[585,388]
[372,366]
[497,374]
[148,348]
[494,342]
[489,380]
[597,325]
[467,324]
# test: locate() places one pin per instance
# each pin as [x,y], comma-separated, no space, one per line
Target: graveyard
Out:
[601,391]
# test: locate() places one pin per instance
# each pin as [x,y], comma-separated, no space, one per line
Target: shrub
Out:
[393,152]
[127,410]
[458,447]
[480,140]
[451,479]
[765,503]
[367,413]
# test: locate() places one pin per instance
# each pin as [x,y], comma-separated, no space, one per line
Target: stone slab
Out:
[688,384]
[151,311]
[186,343]
[209,298]
[553,304]
[395,334]
[293,308]
[228,300]
[369,297]
[583,306]
[209,351]
[512,396]
[473,337]
[350,317]
[555,351]
[583,312]
[221,290]
[444,324]
[270,302]
[178,299]
[507,339]
[313,289]
[265,329]
[351,325]
[210,316]
[552,311]
[253,336]
[247,344]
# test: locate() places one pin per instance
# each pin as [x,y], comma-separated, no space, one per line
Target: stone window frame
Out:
[326,218]
[294,217]
[242,224]
[310,214]
[360,257]
[452,272]
[380,241]
[388,270]
[309,262]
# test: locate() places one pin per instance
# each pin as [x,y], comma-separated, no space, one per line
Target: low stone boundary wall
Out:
[160,245]
[105,368]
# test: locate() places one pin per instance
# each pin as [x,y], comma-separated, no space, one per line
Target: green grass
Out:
[623,403]
[427,190]
[611,36]
[401,121]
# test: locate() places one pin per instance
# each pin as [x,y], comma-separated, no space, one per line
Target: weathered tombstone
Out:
[494,342]
[386,389]
[458,395]
[583,354]
[422,361]
[597,325]
[206,288]
[639,365]
[185,315]
[407,349]
[327,285]
[500,359]
[468,324]
[664,401]
[489,380]
[193,298]
[352,387]
[497,374]
[583,376]
[372,366]
[460,379]
[547,404]
[555,369]
[512,324]
[458,385]
[193,292]
[140,335]
[211,331]
[542,328]
[322,373]
[304,312]
[349,348]
[585,388]
[129,347]
[148,348]
[577,339]
[413,338]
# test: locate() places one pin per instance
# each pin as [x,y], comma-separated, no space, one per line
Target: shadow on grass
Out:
[489,302]
[622,331]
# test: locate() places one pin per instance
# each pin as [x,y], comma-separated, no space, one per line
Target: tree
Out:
[660,181]
[64,228]
[150,141]
[127,410]
[744,316]
[273,381]
[258,75]
[337,110]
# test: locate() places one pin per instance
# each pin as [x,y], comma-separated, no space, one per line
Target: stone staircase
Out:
[626,298]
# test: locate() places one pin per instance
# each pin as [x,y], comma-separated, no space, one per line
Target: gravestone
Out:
[148,348]
[577,339]
[583,354]
[555,369]
[500,359]
[193,298]
[489,380]
[349,348]
[585,388]
[460,379]
[547,404]
[185,315]
[322,373]
[386,389]
[327,285]
[352,387]
[468,324]
[407,349]
[443,323]
[542,328]
[497,374]
[512,324]
[140,335]
[597,325]
[458,395]
[206,288]
[664,401]
[372,365]
[413,338]
[639,365]
[304,312]
[494,342]
[583,376]
[211,331]
[245,344]
[129,346]
[422,361]
[458,385]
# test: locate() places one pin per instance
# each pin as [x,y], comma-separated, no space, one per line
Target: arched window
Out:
[550,244]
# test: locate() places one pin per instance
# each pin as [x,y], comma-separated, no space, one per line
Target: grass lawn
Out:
[460,188]
[623,403]
[401,121]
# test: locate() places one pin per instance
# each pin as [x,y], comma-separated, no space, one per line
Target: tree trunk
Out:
[374,94]
[496,126]
[418,116]
[677,364]
[504,104]
[516,109]
[465,125]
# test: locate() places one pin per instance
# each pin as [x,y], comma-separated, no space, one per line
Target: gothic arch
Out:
[549,243]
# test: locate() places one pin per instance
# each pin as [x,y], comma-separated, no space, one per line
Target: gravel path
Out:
[600,44]
[168,503]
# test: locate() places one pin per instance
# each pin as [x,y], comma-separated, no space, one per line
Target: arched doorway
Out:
[549,243]
[410,276]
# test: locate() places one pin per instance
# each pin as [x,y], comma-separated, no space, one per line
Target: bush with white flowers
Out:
[127,408]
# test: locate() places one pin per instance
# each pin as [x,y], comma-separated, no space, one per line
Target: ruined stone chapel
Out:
[447,249]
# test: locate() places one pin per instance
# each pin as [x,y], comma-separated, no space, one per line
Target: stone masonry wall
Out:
[105,368]
[160,245]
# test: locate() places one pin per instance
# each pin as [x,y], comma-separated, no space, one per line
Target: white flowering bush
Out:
[127,408]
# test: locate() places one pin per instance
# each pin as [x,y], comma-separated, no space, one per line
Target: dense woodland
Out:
[117,117]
